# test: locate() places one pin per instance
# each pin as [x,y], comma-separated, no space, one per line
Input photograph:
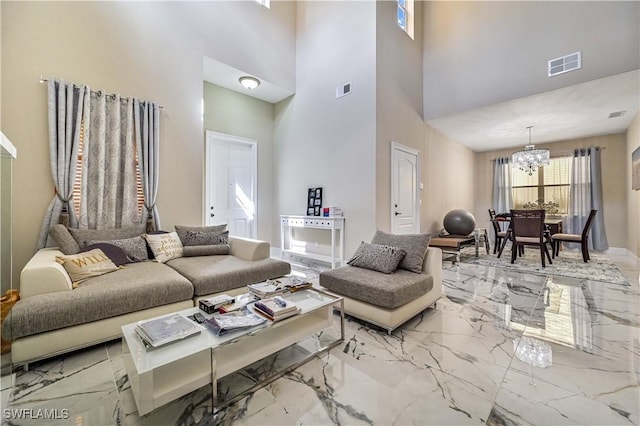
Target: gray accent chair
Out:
[387,300]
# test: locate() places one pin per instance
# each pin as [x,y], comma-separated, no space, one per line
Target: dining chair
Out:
[583,238]
[499,234]
[527,229]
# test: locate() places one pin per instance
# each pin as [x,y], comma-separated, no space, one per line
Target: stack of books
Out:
[276,308]
[233,321]
[166,329]
[270,288]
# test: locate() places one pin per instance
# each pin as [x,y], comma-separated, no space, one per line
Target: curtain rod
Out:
[45,79]
[561,153]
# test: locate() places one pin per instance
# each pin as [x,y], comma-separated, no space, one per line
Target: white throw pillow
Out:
[165,246]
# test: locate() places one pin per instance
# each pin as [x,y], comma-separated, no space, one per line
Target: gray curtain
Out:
[68,106]
[147,134]
[502,193]
[585,194]
[108,193]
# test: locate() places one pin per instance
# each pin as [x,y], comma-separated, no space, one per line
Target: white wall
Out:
[328,142]
[233,113]
[152,50]
[398,99]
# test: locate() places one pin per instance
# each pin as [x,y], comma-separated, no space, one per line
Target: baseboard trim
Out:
[621,251]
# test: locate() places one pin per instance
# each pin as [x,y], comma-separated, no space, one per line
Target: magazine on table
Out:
[232,321]
[278,286]
[166,329]
[239,303]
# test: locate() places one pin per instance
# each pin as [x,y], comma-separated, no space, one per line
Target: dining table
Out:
[553,226]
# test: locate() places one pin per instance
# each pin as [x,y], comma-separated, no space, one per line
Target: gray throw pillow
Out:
[181,230]
[377,257]
[208,250]
[83,236]
[66,243]
[414,244]
[203,238]
[135,247]
[117,255]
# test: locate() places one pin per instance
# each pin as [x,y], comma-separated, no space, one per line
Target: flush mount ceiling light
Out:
[530,158]
[249,82]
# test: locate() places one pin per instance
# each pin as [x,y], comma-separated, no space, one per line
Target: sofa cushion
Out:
[377,257]
[414,244]
[83,236]
[132,288]
[208,250]
[386,290]
[182,230]
[117,255]
[164,246]
[66,243]
[135,247]
[83,266]
[214,274]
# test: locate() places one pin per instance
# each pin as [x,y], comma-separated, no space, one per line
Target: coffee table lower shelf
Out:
[185,366]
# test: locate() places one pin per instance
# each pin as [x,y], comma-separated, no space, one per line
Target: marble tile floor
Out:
[455,365]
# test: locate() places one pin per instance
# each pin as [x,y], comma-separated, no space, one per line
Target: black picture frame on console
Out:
[314,202]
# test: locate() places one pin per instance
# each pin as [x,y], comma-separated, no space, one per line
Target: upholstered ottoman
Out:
[387,300]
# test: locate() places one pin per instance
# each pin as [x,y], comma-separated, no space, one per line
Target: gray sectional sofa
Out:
[53,318]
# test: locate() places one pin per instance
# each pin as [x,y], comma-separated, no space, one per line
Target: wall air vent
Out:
[565,63]
[617,114]
[343,90]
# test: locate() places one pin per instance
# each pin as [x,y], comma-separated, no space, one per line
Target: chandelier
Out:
[530,158]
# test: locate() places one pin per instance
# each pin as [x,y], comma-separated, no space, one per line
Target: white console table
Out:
[332,224]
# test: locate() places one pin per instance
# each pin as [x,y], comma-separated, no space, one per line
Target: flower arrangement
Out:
[550,207]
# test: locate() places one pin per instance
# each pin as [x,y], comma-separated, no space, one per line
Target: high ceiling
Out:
[484,67]
[572,112]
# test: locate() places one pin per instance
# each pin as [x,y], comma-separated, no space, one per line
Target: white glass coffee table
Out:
[162,375]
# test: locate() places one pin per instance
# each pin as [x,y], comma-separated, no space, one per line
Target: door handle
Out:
[397,213]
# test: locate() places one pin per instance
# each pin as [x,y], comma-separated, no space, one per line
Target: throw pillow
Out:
[66,243]
[83,266]
[208,250]
[117,255]
[134,247]
[203,238]
[83,236]
[414,244]
[165,246]
[181,230]
[377,257]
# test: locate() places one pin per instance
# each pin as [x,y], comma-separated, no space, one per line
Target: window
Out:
[546,184]
[405,16]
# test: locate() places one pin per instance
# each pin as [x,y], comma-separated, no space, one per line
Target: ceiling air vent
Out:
[617,114]
[565,63]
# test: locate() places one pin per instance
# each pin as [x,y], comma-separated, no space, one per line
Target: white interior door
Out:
[231,183]
[405,196]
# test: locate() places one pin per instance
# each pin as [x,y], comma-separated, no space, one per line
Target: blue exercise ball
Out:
[459,222]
